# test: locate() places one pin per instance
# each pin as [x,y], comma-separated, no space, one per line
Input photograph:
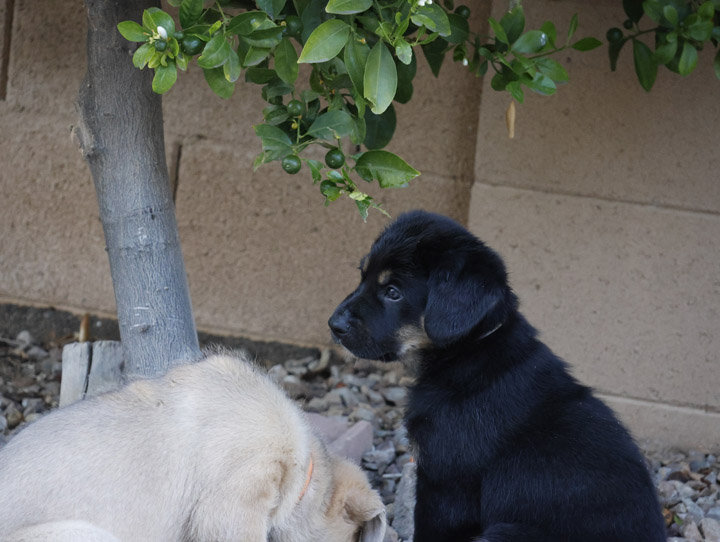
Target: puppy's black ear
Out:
[466,293]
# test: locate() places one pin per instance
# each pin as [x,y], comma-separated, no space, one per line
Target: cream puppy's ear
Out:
[364,507]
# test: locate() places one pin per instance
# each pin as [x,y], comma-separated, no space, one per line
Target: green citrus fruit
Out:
[614,35]
[293,25]
[334,158]
[295,108]
[192,45]
[291,164]
[463,11]
[160,45]
[628,24]
[179,35]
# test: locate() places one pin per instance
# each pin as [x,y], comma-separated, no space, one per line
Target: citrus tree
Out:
[362,57]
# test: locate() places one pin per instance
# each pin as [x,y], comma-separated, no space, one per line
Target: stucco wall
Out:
[606,207]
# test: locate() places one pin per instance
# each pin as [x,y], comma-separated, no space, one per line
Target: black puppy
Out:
[509,446]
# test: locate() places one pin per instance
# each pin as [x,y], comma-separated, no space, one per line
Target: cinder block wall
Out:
[605,207]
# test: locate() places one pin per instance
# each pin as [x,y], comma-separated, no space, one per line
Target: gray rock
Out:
[668,494]
[3,424]
[676,539]
[380,457]
[714,513]
[694,511]
[354,442]
[710,529]
[395,395]
[317,404]
[346,396]
[691,532]
[25,338]
[293,386]
[277,373]
[13,416]
[403,521]
[363,412]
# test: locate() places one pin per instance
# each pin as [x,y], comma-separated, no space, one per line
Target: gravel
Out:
[687,480]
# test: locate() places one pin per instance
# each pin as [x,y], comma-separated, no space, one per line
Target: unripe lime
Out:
[334,158]
[291,164]
[295,108]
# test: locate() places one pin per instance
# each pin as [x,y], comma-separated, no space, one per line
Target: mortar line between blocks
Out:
[637,203]
[5,51]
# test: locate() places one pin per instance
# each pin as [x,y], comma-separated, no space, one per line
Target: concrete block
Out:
[52,246]
[47,56]
[264,257]
[602,135]
[627,294]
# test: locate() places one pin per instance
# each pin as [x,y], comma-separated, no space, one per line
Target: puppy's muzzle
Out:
[340,323]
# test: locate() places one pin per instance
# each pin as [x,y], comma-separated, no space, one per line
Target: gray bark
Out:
[121,137]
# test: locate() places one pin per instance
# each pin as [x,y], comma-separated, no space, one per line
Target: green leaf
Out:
[688,59]
[232,67]
[315,168]
[671,14]
[275,114]
[516,91]
[499,31]
[216,52]
[665,52]
[549,28]
[267,38]
[390,170]
[346,7]
[252,56]
[586,44]
[132,31]
[215,78]
[513,22]
[325,42]
[175,3]
[541,84]
[286,61]
[143,55]
[247,23]
[160,18]
[190,12]
[459,28]
[645,65]
[332,125]
[432,17]
[271,7]
[716,64]
[276,144]
[530,42]
[380,80]
[552,69]
[165,77]
[707,11]
[259,76]
[356,54]
[406,74]
[435,54]
[404,51]
[379,129]
[653,9]
[357,135]
[633,9]
[573,27]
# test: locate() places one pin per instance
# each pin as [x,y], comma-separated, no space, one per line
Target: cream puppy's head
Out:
[356,512]
[338,505]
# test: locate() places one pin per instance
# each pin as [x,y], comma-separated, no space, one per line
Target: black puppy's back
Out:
[509,446]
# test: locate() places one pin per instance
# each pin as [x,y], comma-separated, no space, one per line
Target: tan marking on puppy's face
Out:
[411,339]
[384,277]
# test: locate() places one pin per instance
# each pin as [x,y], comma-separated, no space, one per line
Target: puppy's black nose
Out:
[339,323]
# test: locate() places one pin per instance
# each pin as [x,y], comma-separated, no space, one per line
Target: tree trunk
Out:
[121,137]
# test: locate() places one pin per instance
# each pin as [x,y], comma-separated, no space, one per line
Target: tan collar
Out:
[307,480]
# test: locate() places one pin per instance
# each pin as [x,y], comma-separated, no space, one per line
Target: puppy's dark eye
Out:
[393,294]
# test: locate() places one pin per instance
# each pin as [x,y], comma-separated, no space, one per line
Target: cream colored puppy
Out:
[211,452]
